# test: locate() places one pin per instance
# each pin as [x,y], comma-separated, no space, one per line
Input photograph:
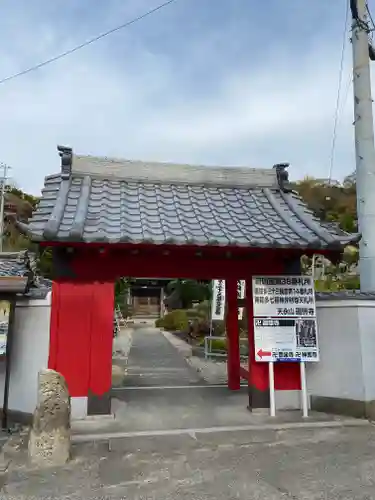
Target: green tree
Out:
[181,294]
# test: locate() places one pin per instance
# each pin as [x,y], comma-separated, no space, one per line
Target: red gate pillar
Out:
[81,335]
[233,360]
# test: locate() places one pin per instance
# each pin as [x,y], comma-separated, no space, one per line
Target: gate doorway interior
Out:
[110,218]
[146,306]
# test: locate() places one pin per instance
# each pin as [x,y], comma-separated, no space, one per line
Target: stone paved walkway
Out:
[211,371]
[153,361]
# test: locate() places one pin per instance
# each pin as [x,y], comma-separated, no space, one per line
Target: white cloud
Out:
[279,109]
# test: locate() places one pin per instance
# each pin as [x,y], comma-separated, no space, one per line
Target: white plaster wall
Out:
[366,321]
[29,356]
[29,353]
[78,408]
[289,400]
[347,350]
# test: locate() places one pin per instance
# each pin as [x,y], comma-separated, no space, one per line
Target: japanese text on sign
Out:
[218,300]
[285,327]
[241,295]
[284,296]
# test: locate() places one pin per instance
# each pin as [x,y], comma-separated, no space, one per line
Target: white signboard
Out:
[240,295]
[279,296]
[218,300]
[285,327]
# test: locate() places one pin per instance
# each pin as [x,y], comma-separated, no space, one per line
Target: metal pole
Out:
[272,389]
[305,404]
[364,144]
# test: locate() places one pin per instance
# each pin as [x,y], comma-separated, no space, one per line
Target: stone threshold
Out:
[277,426]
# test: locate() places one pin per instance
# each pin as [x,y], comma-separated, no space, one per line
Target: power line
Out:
[347,88]
[337,109]
[85,44]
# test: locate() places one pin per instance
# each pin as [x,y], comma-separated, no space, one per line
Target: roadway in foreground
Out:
[320,463]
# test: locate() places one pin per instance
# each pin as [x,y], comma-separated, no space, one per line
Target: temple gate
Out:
[108,218]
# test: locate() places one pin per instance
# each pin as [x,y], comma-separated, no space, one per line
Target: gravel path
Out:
[335,464]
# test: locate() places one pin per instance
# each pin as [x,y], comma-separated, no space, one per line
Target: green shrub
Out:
[204,308]
[221,345]
[159,323]
[216,344]
[176,320]
[218,328]
[194,313]
[351,283]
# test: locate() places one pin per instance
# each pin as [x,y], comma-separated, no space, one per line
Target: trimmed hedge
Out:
[198,317]
[173,321]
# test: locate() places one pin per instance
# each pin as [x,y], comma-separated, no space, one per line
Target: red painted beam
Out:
[90,266]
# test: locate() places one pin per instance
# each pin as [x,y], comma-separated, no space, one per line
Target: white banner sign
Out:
[218,300]
[241,295]
[285,327]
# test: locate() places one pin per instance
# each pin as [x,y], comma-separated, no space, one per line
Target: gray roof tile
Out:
[15,264]
[103,200]
[345,295]
[19,265]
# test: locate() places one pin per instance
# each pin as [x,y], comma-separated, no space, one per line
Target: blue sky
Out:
[214,82]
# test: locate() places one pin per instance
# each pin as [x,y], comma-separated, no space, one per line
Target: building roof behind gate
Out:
[17,272]
[106,200]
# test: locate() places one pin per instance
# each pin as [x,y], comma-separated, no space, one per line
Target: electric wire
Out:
[337,108]
[346,93]
[85,44]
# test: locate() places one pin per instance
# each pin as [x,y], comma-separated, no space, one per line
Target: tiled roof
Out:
[345,295]
[17,272]
[110,201]
[14,264]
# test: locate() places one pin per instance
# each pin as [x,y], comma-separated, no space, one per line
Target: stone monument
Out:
[49,440]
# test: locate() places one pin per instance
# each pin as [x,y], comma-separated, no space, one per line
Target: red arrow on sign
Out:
[262,353]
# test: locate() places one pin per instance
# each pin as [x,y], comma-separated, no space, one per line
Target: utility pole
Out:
[4,179]
[364,143]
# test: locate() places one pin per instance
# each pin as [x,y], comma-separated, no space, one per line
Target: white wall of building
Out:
[346,370]
[29,353]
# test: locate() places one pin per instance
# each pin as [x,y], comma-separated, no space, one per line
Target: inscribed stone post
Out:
[49,441]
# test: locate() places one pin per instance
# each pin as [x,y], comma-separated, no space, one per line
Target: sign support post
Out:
[272,389]
[304,395]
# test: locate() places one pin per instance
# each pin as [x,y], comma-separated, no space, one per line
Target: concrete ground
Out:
[335,464]
[176,437]
[162,393]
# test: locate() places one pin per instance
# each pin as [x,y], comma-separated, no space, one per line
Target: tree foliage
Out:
[331,202]
[181,294]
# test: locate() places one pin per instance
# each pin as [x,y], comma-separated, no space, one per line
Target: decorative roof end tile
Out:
[283,176]
[66,155]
